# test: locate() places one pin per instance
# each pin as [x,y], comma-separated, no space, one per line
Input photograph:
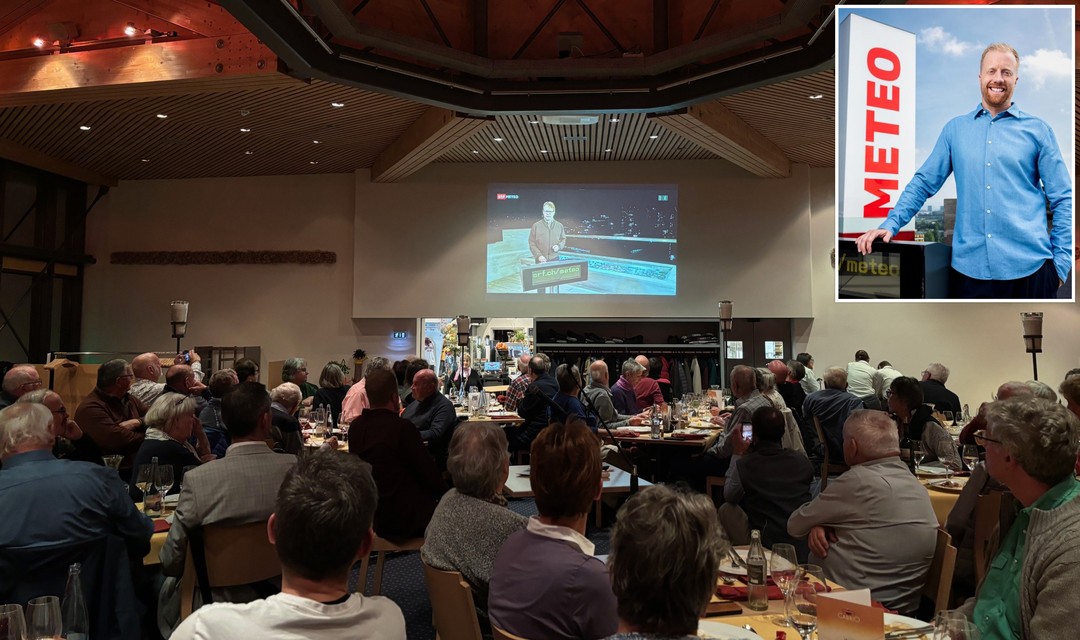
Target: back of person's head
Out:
[523,363]
[908,391]
[374,363]
[381,387]
[546,358]
[1042,436]
[18,377]
[745,378]
[835,378]
[862,356]
[1012,389]
[291,366]
[538,366]
[764,379]
[1042,390]
[1070,389]
[779,370]
[332,377]
[287,394]
[1072,373]
[168,407]
[478,457]
[666,547]
[25,425]
[568,376]
[798,370]
[874,432]
[938,372]
[598,371]
[243,408]
[768,424]
[883,364]
[631,366]
[415,366]
[804,358]
[656,367]
[109,372]
[324,511]
[565,469]
[246,368]
[221,383]
[177,375]
[399,371]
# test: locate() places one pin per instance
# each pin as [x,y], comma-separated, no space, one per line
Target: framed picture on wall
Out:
[734,350]
[774,350]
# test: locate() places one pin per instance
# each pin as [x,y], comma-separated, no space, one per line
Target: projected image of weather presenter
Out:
[547,236]
[1001,247]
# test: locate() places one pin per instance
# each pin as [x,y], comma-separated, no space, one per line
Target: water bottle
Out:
[152,497]
[756,571]
[76,621]
[655,424]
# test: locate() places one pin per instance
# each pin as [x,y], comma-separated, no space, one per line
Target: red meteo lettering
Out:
[881,96]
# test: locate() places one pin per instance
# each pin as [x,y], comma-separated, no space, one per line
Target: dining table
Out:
[161,529]
[943,494]
[616,480]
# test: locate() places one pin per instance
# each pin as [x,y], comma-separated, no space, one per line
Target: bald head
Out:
[779,370]
[146,366]
[598,373]
[743,381]
[1013,389]
[180,377]
[20,380]
[523,363]
[643,361]
[424,383]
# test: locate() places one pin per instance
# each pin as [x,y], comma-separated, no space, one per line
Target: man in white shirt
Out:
[338,493]
[883,377]
[860,375]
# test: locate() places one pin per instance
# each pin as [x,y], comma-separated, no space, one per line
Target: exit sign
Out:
[400,335]
[661,198]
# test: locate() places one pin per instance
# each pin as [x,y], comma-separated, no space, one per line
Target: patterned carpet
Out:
[403,575]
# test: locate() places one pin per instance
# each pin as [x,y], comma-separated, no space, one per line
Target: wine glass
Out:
[802,608]
[918,454]
[183,473]
[953,625]
[970,453]
[143,479]
[112,462]
[785,569]
[12,623]
[949,420]
[43,620]
[164,478]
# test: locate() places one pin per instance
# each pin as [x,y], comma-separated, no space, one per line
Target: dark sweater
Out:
[168,452]
[332,397]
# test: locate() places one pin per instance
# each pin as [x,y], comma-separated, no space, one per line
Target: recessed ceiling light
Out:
[653,137]
[315,141]
[613,120]
[816,96]
[130,29]
[534,122]
[497,139]
[475,151]
[313,162]
[337,105]
[607,150]
[162,116]
[84,128]
[145,160]
[39,42]
[244,130]
[248,153]
[543,151]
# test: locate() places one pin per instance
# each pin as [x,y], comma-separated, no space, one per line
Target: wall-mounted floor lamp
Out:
[725,327]
[179,321]
[1032,321]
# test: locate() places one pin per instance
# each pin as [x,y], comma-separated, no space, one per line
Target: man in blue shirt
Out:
[1008,168]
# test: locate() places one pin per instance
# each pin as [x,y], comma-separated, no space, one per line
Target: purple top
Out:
[624,397]
[547,588]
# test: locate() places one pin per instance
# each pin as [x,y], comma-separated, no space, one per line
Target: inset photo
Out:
[955,153]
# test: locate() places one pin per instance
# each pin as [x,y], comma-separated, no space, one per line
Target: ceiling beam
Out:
[434,133]
[16,152]
[166,68]
[714,127]
[198,16]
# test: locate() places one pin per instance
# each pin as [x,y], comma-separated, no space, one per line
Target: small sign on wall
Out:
[399,335]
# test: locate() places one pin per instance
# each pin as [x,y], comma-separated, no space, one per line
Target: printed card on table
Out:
[848,615]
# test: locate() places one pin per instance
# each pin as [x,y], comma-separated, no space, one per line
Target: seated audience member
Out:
[415,366]
[1031,448]
[567,398]
[1070,390]
[623,394]
[338,493]
[1042,390]
[1007,390]
[546,582]
[147,369]
[17,381]
[52,506]
[284,401]
[860,375]
[71,442]
[295,371]
[217,435]
[666,547]
[247,370]
[169,424]
[874,526]
[516,391]
[933,382]
[110,416]
[789,389]
[409,482]
[831,406]
[237,489]
[533,409]
[600,398]
[916,421]
[356,399]
[431,412]
[767,484]
[656,372]
[883,378]
[464,372]
[766,386]
[747,400]
[472,520]
[399,369]
[647,390]
[809,382]
[332,389]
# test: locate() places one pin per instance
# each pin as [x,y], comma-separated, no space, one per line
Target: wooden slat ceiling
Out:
[201,136]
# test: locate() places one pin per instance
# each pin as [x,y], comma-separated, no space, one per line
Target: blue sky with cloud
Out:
[949,44]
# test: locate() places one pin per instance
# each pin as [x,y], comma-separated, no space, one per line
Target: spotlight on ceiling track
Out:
[38,42]
[130,29]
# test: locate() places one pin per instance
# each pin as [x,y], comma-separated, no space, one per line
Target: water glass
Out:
[143,477]
[12,623]
[918,454]
[785,569]
[953,625]
[970,453]
[802,606]
[112,462]
[164,479]
[43,620]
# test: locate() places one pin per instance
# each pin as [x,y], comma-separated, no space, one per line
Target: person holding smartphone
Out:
[747,400]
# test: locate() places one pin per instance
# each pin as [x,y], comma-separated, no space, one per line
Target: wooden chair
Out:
[499,634]
[987,517]
[235,555]
[826,466]
[381,547]
[938,586]
[713,482]
[452,605]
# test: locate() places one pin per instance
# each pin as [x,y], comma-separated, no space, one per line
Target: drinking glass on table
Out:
[802,606]
[785,569]
[165,478]
[112,462]
[953,625]
[918,453]
[949,419]
[12,623]
[970,453]
[143,479]
[43,620]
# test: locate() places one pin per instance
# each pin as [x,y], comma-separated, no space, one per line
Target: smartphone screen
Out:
[747,431]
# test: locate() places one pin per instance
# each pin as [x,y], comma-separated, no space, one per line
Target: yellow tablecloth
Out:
[942,501]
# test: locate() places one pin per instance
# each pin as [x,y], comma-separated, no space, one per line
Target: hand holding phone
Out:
[747,431]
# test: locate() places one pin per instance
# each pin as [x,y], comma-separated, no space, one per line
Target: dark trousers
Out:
[1043,284]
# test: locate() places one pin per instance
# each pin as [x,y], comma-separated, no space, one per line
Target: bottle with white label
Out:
[756,571]
[73,607]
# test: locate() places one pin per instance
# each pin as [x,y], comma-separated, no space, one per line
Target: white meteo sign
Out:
[876,120]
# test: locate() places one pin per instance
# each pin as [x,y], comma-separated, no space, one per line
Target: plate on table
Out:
[171,500]
[931,471]
[721,631]
[728,566]
[895,622]
[956,485]
[637,429]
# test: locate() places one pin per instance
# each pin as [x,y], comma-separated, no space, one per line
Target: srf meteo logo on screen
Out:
[506,196]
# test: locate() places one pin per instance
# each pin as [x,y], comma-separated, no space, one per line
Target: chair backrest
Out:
[792,436]
[987,517]
[939,579]
[235,555]
[452,605]
[499,634]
